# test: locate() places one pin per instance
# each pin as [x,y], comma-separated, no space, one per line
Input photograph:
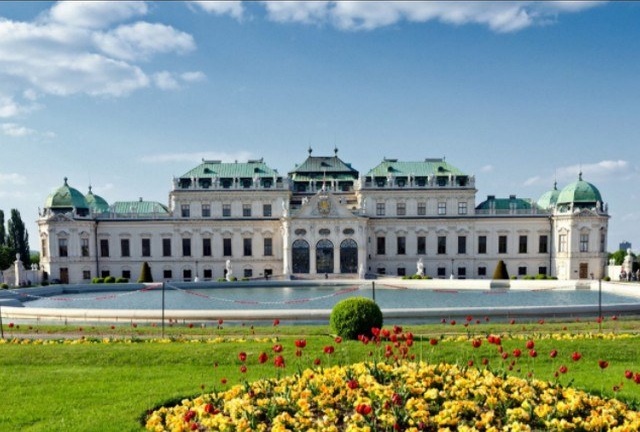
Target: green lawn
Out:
[104,387]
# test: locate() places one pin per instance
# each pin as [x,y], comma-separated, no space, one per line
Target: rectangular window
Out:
[522,271]
[442,272]
[43,248]
[186,247]
[584,242]
[380,209]
[462,272]
[166,247]
[247,247]
[603,243]
[462,244]
[167,274]
[206,210]
[401,209]
[246,210]
[104,273]
[380,245]
[126,274]
[543,244]
[185,210]
[422,208]
[266,210]
[226,210]
[402,245]
[248,273]
[86,274]
[522,244]
[146,247]
[562,243]
[104,247]
[502,244]
[482,271]
[462,207]
[84,247]
[124,248]
[422,245]
[268,247]
[482,244]
[542,270]
[442,208]
[207,274]
[226,247]
[442,245]
[186,275]
[381,270]
[206,247]
[402,271]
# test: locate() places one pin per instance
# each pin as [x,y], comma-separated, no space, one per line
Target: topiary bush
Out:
[145,273]
[109,280]
[4,286]
[501,273]
[97,280]
[355,316]
[122,280]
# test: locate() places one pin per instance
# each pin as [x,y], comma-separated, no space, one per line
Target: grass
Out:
[108,387]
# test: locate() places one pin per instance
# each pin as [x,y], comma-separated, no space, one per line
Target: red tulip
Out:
[553,353]
[628,374]
[317,362]
[220,321]
[433,341]
[262,358]
[476,343]
[517,353]
[530,344]
[352,384]
[636,378]
[329,349]
[223,381]
[363,409]
[277,348]
[397,329]
[301,343]
[243,369]
[385,333]
[576,356]
[396,399]
[603,364]
[242,356]
[276,322]
[563,369]
[279,361]
[338,339]
[533,353]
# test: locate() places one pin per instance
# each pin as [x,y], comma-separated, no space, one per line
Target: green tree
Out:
[6,257]
[145,273]
[18,238]
[619,255]
[3,233]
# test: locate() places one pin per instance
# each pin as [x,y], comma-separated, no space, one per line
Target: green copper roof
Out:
[324,164]
[96,203]
[250,169]
[66,197]
[579,192]
[505,204]
[139,207]
[430,167]
[549,198]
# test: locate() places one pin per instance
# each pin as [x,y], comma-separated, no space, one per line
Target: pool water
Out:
[319,297]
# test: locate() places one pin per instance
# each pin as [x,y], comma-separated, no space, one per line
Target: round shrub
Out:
[355,316]
[122,280]
[97,280]
[109,279]
[4,286]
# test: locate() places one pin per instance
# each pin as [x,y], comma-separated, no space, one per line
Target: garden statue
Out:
[229,270]
[420,267]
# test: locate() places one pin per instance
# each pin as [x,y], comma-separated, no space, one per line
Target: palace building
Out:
[324,219]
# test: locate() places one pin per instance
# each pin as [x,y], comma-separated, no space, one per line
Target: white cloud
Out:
[15,130]
[486,168]
[95,14]
[600,171]
[8,107]
[366,15]
[141,40]
[13,179]
[165,81]
[195,76]
[532,181]
[197,157]
[232,8]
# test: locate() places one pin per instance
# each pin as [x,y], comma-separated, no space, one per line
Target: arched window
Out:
[349,256]
[324,256]
[300,256]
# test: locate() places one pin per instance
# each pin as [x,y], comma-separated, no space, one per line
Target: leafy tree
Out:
[35,258]
[619,255]
[3,233]
[6,258]
[18,238]
[501,273]
[145,273]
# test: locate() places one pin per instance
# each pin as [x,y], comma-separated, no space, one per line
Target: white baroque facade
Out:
[324,219]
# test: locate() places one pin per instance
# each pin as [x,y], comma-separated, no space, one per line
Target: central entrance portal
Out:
[324,256]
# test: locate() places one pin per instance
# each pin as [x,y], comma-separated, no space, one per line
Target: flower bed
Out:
[410,396]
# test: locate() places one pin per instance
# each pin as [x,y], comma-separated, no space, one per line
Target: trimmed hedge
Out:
[355,316]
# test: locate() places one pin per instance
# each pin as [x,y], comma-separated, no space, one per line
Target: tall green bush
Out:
[500,273]
[355,316]
[145,273]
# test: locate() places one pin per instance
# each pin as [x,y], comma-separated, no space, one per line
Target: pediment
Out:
[324,205]
[61,217]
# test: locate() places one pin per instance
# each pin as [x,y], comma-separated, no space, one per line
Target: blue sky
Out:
[124,96]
